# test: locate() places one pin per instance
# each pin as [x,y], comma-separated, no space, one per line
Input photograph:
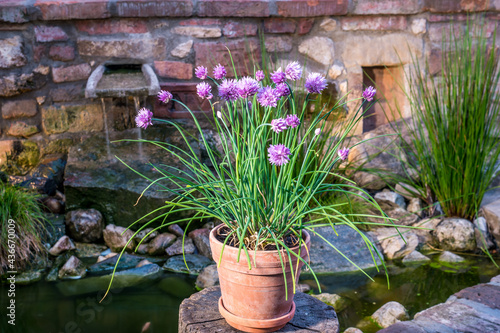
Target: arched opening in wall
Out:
[391,98]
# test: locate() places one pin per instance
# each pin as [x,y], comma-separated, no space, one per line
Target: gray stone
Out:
[19,109]
[278,44]
[339,303]
[320,49]
[52,276]
[353,330]
[141,234]
[86,250]
[13,85]
[393,245]
[416,206]
[127,261]
[160,243]
[208,277]
[195,263]
[63,244]
[483,237]
[29,277]
[201,239]
[406,190]
[402,216]
[390,313]
[303,288]
[491,212]
[415,257]
[72,269]
[11,52]
[447,256]
[456,235]
[198,32]
[143,249]
[176,248]
[390,197]
[425,231]
[116,238]
[182,50]
[85,225]
[103,256]
[176,230]
[145,48]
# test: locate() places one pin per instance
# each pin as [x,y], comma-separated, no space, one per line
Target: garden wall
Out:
[48,49]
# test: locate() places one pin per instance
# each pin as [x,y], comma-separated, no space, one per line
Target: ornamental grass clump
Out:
[258,184]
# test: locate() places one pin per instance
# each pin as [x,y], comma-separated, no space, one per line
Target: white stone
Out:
[447,256]
[415,256]
[320,49]
[419,26]
[456,234]
[343,88]
[391,198]
[336,71]
[198,32]
[390,313]
[182,50]
[11,53]
[328,24]
[415,206]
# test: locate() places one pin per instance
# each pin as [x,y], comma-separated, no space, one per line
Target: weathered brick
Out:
[374,23]
[62,53]
[201,22]
[14,11]
[22,129]
[304,26]
[212,53]
[233,8]
[438,30]
[174,69]
[454,6]
[104,27]
[139,48]
[74,118]
[74,9]
[198,32]
[279,26]
[49,34]
[377,7]
[11,52]
[447,18]
[233,29]
[306,8]
[278,44]
[67,93]
[71,73]
[19,109]
[39,52]
[149,8]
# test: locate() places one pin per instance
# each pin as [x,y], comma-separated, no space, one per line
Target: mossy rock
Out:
[59,146]
[24,157]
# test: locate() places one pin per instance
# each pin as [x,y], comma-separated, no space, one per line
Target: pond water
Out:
[43,307]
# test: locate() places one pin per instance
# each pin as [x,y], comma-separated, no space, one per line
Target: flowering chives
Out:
[267,97]
[278,76]
[369,93]
[228,90]
[259,75]
[278,125]
[292,120]
[164,96]
[278,154]
[143,118]
[201,72]
[247,87]
[317,131]
[293,71]
[219,72]
[343,153]
[315,83]
[282,89]
[204,90]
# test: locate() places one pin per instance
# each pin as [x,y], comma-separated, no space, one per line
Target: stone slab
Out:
[486,294]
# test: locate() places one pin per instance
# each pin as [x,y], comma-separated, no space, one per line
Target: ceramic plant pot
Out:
[255,300]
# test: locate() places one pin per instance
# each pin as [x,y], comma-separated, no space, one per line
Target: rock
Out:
[144,262]
[390,313]
[182,50]
[335,71]
[116,238]
[11,52]
[127,261]
[208,277]
[29,277]
[195,262]
[74,118]
[160,243]
[143,249]
[418,26]
[176,230]
[424,234]
[13,85]
[303,288]
[491,212]
[406,190]
[24,156]
[416,206]
[198,32]
[402,216]
[176,248]
[414,257]
[328,24]
[72,269]
[320,49]
[141,234]
[56,266]
[106,256]
[19,109]
[392,244]
[389,197]
[456,234]
[85,250]
[53,205]
[353,330]
[85,225]
[450,257]
[54,229]
[202,241]
[22,129]
[279,44]
[483,238]
[63,244]
[339,303]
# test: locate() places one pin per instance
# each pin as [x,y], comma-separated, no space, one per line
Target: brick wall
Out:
[49,48]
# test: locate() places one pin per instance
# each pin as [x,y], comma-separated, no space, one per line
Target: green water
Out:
[43,307]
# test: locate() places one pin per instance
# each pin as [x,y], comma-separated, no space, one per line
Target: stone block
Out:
[198,32]
[13,84]
[304,26]
[278,44]
[419,26]
[11,52]
[18,109]
[320,49]
[200,22]
[279,26]
[39,52]
[383,23]
[234,29]
[233,8]
[182,50]
[174,69]
[141,48]
[67,93]
[306,8]
[49,34]
[72,118]
[67,10]
[71,73]
[22,129]
[491,213]
[453,6]
[370,7]
[62,53]
[149,8]
[14,12]
[107,27]
[328,24]
[6,147]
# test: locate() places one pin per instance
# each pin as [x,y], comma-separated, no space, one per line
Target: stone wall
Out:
[48,49]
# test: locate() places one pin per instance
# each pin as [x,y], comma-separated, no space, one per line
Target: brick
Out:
[447,18]
[14,11]
[304,26]
[71,73]
[233,29]
[49,34]
[174,70]
[19,109]
[278,44]
[62,53]
[152,8]
[104,27]
[201,22]
[437,30]
[233,8]
[279,26]
[74,9]
[67,93]
[38,52]
[374,23]
[72,118]
[308,8]
[11,52]
[454,6]
[22,129]
[377,7]
[210,54]
[198,32]
[139,48]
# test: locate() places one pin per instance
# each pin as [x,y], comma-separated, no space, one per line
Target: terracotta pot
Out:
[255,300]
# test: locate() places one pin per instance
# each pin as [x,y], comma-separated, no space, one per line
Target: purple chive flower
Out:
[278,125]
[228,90]
[143,118]
[293,71]
[315,83]
[259,75]
[219,72]
[343,153]
[164,96]
[282,89]
[369,93]
[278,154]
[247,87]
[317,131]
[204,90]
[292,120]
[267,97]
[278,76]
[201,72]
